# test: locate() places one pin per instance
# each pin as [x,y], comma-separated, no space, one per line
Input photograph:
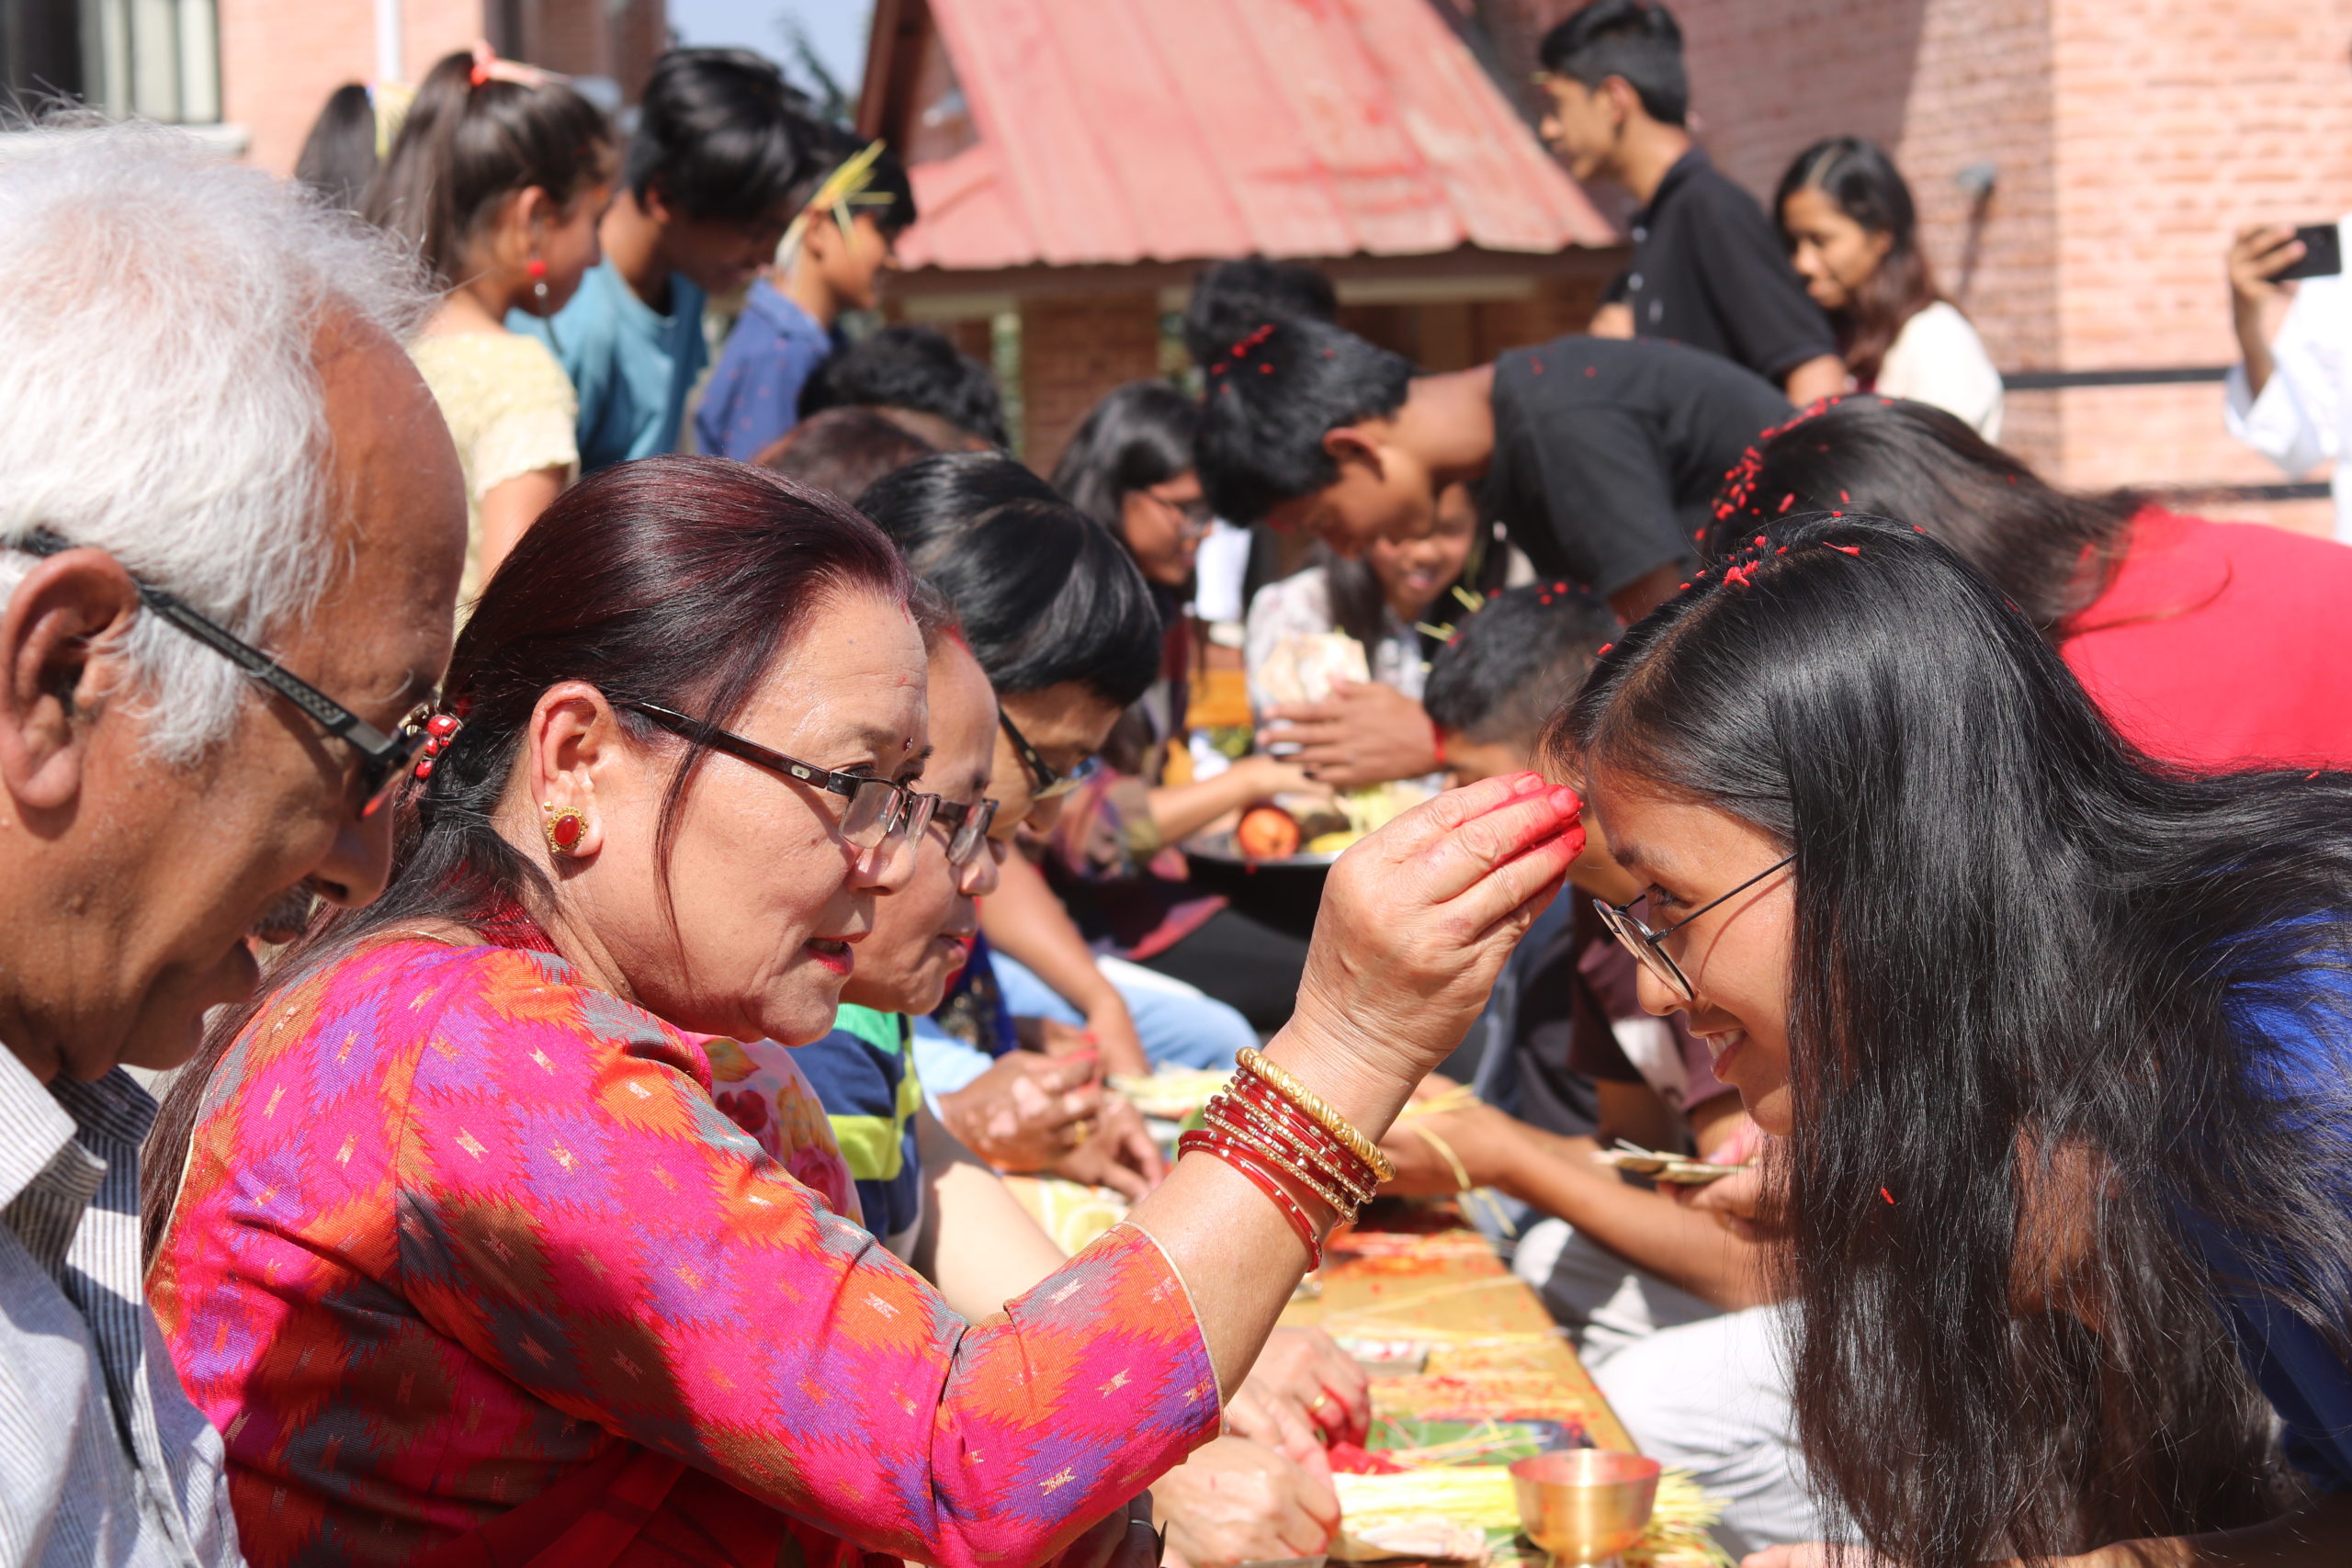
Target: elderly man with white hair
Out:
[231,531]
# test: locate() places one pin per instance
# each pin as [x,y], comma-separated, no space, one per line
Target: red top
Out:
[2223,645]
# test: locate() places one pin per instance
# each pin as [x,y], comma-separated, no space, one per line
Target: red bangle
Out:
[1264,1180]
[1289,1158]
[1345,1164]
[1345,1182]
[1437,740]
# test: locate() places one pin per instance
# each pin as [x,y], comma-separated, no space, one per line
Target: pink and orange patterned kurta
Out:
[454,1223]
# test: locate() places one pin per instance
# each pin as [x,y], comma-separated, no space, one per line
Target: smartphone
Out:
[2323,254]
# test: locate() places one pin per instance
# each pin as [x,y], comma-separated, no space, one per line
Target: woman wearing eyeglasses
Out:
[985,1247]
[1064,627]
[2057,1041]
[467,1264]
[1112,858]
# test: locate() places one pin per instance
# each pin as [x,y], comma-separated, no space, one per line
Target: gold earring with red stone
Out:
[565,829]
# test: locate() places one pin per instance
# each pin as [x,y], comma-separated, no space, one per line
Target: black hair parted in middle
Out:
[1272,392]
[1138,435]
[721,135]
[1044,593]
[1511,664]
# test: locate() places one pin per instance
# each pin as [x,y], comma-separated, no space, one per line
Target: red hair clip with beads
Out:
[440,728]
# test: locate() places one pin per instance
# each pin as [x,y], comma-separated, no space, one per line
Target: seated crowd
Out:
[646,1082]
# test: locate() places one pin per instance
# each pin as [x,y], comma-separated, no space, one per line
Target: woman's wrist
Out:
[1343,1067]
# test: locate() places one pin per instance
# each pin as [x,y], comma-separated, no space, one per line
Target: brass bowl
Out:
[1585,1506]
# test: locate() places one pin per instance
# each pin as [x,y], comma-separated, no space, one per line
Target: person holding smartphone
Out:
[2286,397]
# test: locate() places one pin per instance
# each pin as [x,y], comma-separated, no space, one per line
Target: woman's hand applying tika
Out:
[1416,921]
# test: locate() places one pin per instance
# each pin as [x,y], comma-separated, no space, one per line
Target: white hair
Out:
[160,393]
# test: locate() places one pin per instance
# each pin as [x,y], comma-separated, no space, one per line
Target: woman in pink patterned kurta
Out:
[469,1267]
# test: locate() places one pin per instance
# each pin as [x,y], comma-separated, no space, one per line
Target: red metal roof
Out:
[1113,131]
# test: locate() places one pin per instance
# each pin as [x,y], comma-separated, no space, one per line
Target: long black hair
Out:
[2021,955]
[1044,594]
[676,580]
[1863,182]
[1137,435]
[467,145]
[2051,551]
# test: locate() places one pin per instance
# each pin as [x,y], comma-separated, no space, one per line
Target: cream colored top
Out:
[1937,358]
[510,410]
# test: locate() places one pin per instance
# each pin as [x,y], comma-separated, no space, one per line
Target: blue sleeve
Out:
[583,341]
[738,416]
[943,1062]
[753,398]
[2300,1039]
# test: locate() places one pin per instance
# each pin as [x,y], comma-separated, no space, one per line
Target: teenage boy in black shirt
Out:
[1600,458]
[1708,267]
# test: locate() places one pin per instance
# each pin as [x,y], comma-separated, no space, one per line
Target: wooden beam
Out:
[1425,274]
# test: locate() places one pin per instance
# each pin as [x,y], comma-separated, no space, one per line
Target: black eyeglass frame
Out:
[384,760]
[1049,783]
[909,811]
[1649,946]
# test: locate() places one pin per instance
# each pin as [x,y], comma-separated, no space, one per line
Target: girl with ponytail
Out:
[498,178]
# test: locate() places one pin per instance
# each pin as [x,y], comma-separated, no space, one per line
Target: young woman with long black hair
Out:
[2057,1041]
[1114,858]
[498,179]
[1847,216]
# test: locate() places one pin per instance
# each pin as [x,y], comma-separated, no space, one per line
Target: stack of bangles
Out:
[1276,1132]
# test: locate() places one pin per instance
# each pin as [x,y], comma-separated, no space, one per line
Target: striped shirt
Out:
[102,1458]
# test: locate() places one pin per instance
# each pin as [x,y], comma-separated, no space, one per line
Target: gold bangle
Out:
[1330,1121]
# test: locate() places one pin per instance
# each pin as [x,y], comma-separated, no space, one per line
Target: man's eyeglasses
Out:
[1649,946]
[968,826]
[876,809]
[1049,783]
[384,760]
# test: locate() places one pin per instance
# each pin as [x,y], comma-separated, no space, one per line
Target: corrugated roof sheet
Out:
[1113,131]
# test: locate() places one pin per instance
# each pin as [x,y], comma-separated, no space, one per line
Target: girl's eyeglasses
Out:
[876,809]
[1049,783]
[1649,946]
[1194,517]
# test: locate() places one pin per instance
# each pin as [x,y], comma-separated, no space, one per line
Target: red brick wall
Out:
[1073,350]
[2177,121]
[280,59]
[2130,138]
